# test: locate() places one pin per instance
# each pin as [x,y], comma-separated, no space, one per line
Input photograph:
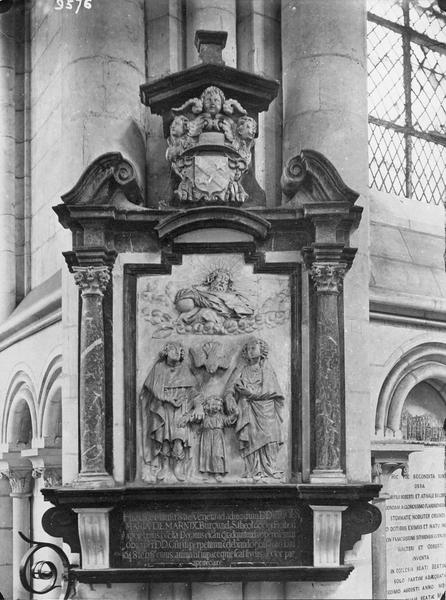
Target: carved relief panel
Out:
[213,355]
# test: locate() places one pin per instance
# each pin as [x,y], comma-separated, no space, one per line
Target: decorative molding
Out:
[92,280]
[216,216]
[359,519]
[327,528]
[316,178]
[62,522]
[94,537]
[102,178]
[20,481]
[253,91]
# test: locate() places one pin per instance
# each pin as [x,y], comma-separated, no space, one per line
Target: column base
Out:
[93,481]
[328,476]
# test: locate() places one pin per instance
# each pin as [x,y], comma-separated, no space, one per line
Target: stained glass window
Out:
[407,98]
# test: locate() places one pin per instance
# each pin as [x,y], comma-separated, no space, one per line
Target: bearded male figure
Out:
[214,301]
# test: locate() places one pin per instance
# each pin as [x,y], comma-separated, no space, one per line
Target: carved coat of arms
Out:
[209,148]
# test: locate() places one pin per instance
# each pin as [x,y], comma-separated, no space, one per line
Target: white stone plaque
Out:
[213,373]
[416,528]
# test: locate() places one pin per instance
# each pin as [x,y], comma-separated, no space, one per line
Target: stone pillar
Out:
[328,279]
[104,48]
[258,51]
[214,15]
[7,171]
[324,83]
[21,483]
[92,281]
[165,55]
[327,528]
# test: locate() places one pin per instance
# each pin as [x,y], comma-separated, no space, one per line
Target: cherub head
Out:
[246,128]
[212,99]
[213,405]
[219,280]
[172,353]
[254,350]
[178,127]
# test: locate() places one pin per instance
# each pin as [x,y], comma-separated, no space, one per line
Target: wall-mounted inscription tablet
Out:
[213,373]
[212,537]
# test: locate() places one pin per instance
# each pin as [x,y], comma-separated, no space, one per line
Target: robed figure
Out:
[167,395]
[253,393]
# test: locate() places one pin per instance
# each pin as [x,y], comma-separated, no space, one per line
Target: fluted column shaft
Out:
[93,282]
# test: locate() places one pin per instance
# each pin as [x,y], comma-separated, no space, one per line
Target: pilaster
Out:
[92,281]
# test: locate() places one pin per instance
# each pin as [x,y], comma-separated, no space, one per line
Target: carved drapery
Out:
[92,282]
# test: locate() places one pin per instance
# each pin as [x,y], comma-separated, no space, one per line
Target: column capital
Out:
[92,280]
[328,278]
[20,481]
[51,476]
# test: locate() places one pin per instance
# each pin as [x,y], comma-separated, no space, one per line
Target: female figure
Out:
[253,393]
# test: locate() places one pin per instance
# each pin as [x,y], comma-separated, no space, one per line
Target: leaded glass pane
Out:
[428,89]
[388,9]
[386,159]
[385,81]
[428,179]
[427,18]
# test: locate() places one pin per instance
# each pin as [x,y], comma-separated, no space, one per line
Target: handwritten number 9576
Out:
[70,5]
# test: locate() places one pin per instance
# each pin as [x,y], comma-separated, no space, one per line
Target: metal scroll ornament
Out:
[209,148]
[44,570]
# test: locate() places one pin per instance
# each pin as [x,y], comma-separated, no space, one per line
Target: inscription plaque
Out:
[217,537]
[416,529]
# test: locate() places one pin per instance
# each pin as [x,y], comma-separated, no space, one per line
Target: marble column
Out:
[21,483]
[214,15]
[7,172]
[328,280]
[93,282]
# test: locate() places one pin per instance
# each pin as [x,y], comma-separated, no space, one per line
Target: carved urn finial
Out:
[210,45]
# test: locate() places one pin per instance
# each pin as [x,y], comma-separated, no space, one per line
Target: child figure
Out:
[212,460]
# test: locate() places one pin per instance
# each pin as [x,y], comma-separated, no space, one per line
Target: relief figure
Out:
[212,451]
[212,302]
[253,394]
[167,395]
